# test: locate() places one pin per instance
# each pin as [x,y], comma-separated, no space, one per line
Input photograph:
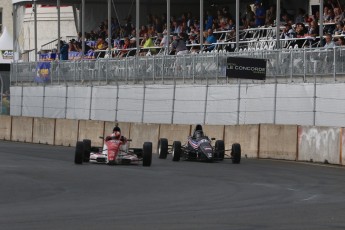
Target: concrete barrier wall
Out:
[89,129]
[43,131]
[5,127]
[66,132]
[278,141]
[140,133]
[246,135]
[289,142]
[22,129]
[174,133]
[319,144]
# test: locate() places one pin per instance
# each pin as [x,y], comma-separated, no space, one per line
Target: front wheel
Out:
[79,153]
[162,148]
[219,148]
[147,154]
[236,153]
[176,150]
[87,150]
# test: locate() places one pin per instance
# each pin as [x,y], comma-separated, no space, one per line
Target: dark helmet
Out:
[116,129]
[198,127]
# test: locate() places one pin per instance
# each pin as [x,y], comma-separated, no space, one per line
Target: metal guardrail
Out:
[288,63]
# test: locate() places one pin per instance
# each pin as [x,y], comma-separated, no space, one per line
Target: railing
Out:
[285,64]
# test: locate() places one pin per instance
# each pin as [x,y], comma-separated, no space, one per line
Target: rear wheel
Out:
[87,150]
[162,148]
[147,154]
[176,150]
[79,153]
[236,153]
[219,148]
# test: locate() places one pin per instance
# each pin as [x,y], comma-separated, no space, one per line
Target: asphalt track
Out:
[41,188]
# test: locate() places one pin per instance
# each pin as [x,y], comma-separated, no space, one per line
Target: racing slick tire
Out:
[79,153]
[236,153]
[219,149]
[176,151]
[147,154]
[87,150]
[162,148]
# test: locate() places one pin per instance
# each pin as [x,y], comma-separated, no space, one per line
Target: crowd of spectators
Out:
[219,25]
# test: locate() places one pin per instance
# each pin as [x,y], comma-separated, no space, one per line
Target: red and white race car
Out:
[115,151]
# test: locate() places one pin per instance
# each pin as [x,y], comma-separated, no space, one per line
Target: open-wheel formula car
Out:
[198,148]
[114,152]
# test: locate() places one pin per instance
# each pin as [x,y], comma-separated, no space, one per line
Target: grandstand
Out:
[303,81]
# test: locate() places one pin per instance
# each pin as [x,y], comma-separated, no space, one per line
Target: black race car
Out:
[198,148]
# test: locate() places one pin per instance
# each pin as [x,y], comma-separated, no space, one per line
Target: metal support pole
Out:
[168,28]
[59,25]
[109,29]
[321,22]
[237,24]
[278,24]
[35,29]
[83,28]
[14,19]
[137,21]
[201,24]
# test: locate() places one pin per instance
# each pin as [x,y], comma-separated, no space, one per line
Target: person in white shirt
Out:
[329,42]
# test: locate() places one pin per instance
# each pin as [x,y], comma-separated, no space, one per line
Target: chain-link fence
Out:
[293,64]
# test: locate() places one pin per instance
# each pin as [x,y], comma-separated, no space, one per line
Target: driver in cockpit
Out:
[198,132]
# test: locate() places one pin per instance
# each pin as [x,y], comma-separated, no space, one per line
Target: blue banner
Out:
[47,57]
[42,72]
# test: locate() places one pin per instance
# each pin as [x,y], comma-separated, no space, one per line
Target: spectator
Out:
[165,41]
[248,18]
[101,47]
[338,16]
[146,43]
[143,31]
[5,110]
[63,55]
[270,16]
[178,46]
[288,32]
[339,28]
[209,20]
[71,46]
[313,30]
[329,42]
[260,14]
[210,40]
[193,41]
[300,30]
[341,41]
[125,48]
